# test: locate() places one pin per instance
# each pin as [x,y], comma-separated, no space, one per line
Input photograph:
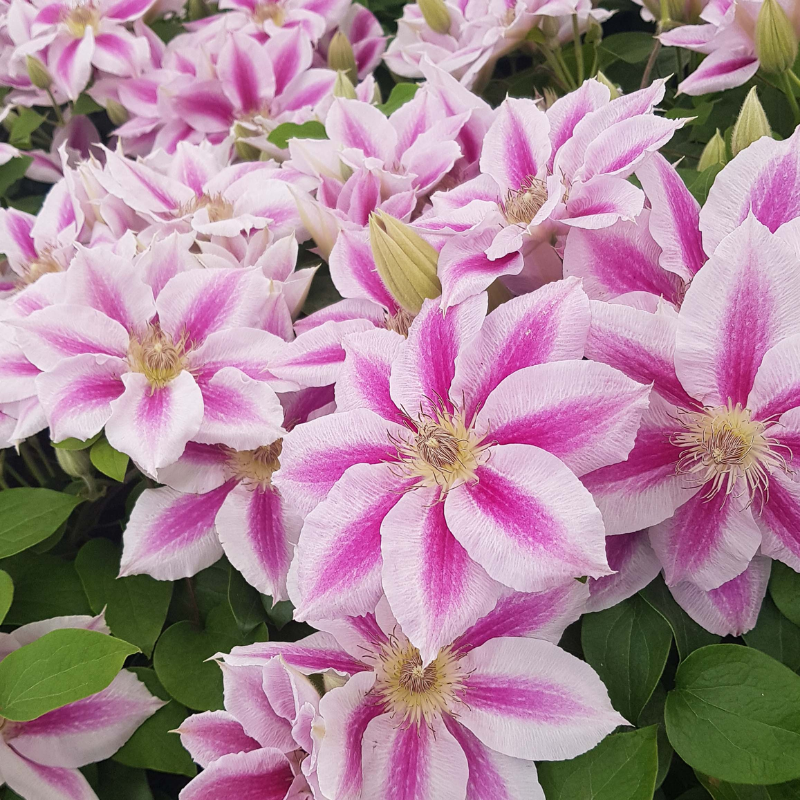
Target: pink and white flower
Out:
[365,35]
[709,474]
[451,466]
[41,758]
[469,723]
[264,743]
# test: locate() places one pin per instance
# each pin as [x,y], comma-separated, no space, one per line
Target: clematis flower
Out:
[710,472]
[157,369]
[543,173]
[263,743]
[220,501]
[450,468]
[365,35]
[476,716]
[40,758]
[73,38]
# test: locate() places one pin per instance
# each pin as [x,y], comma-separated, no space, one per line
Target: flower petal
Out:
[29,779]
[213,734]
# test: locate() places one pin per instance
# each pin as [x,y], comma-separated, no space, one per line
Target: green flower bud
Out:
[117,113]
[751,124]
[75,463]
[404,260]
[38,73]
[246,151]
[341,56]
[612,88]
[776,42]
[436,15]
[594,32]
[197,9]
[343,86]
[714,152]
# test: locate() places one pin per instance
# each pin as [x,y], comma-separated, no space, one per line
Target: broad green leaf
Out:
[653,714]
[628,646]
[6,594]
[29,516]
[44,586]
[401,94]
[784,588]
[735,715]
[97,564]
[155,745]
[702,184]
[775,635]
[108,460]
[245,602]
[280,613]
[631,47]
[31,204]
[291,130]
[118,782]
[720,790]
[85,105]
[181,654]
[622,767]
[58,668]
[23,126]
[12,171]
[689,636]
[77,444]
[194,598]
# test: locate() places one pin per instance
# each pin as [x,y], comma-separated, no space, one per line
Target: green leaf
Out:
[85,105]
[97,564]
[720,790]
[77,444]
[6,594]
[784,588]
[775,635]
[632,47]
[12,171]
[181,654]
[58,668]
[278,614]
[689,636]
[622,767]
[245,602]
[628,646]
[653,714]
[44,586]
[108,460]
[704,181]
[401,94]
[291,130]
[118,782]
[154,745]
[23,126]
[735,715]
[29,516]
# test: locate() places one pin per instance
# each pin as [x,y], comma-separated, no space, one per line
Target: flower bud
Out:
[594,32]
[550,28]
[75,463]
[612,88]
[404,260]
[436,15]
[38,73]
[751,124]
[714,152]
[341,56]
[246,151]
[197,9]
[776,43]
[117,113]
[343,86]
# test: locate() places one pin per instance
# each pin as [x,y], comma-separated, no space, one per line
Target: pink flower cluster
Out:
[606,388]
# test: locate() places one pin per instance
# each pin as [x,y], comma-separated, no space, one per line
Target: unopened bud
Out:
[776,42]
[75,463]
[197,9]
[404,260]
[751,124]
[550,28]
[594,32]
[436,15]
[612,88]
[117,112]
[246,151]
[38,73]
[549,96]
[341,56]
[343,86]
[714,153]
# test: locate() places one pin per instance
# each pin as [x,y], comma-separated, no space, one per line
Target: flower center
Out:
[269,11]
[80,18]
[727,449]
[523,204]
[399,322]
[414,693]
[217,206]
[42,265]
[255,467]
[444,451]
[157,356]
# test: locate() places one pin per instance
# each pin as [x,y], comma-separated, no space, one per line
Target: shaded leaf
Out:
[29,516]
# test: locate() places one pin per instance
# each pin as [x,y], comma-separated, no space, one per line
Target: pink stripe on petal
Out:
[776,387]
[721,70]
[434,588]
[527,520]
[353,269]
[779,520]
[213,734]
[27,778]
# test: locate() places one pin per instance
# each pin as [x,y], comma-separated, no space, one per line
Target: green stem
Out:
[56,108]
[30,463]
[37,446]
[651,62]
[567,73]
[556,67]
[789,92]
[16,476]
[793,78]
[578,44]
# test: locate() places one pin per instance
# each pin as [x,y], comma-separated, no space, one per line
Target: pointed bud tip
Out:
[775,39]
[436,15]
[612,87]
[341,56]
[38,73]
[751,124]
[343,86]
[715,152]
